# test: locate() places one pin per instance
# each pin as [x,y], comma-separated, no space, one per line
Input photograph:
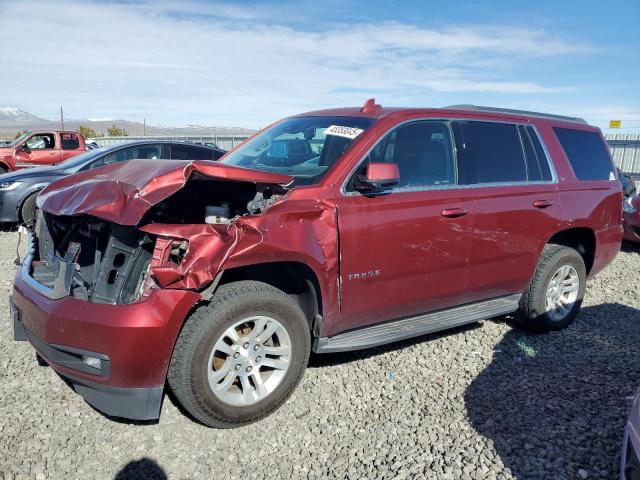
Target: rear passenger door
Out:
[517,207]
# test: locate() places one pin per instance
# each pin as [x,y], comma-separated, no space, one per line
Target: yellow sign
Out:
[615,123]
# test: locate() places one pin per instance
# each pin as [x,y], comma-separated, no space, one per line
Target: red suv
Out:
[328,231]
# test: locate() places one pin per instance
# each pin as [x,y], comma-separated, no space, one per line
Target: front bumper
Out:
[134,342]
[9,203]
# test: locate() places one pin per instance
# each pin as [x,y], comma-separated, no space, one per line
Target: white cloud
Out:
[227,64]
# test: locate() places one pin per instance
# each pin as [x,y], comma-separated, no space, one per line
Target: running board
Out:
[397,330]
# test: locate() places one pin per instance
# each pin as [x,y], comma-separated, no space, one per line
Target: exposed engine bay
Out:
[112,263]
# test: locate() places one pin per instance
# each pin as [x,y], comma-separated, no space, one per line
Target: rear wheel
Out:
[239,357]
[554,296]
[28,210]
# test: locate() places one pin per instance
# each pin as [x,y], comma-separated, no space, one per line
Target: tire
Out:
[195,361]
[534,313]
[28,210]
[3,170]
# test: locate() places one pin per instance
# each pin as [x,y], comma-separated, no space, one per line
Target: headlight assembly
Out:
[8,185]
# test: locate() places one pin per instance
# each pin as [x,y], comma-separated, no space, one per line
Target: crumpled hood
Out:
[123,192]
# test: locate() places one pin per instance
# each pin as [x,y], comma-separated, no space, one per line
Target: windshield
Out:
[19,139]
[303,147]
[80,160]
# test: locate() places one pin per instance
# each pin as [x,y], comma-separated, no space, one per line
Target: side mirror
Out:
[24,148]
[378,176]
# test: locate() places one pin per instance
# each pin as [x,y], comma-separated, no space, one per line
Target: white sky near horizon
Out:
[248,64]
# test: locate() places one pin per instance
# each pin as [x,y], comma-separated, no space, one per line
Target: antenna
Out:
[370,106]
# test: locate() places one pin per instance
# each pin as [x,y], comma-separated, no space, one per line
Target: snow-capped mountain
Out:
[15,116]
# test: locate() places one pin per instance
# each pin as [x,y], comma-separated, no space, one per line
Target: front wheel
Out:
[554,296]
[28,210]
[238,358]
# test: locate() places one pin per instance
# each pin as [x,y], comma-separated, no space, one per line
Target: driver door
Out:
[405,250]
[41,150]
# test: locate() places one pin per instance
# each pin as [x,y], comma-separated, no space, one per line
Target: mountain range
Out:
[14,120]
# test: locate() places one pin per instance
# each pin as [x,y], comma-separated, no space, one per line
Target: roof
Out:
[372,110]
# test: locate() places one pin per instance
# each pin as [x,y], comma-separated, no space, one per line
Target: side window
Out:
[541,156]
[536,160]
[489,152]
[131,153]
[41,141]
[69,141]
[423,152]
[190,152]
[587,154]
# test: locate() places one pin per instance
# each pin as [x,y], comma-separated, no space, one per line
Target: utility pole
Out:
[144,127]
[61,119]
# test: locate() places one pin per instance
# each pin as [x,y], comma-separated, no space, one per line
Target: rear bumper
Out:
[133,342]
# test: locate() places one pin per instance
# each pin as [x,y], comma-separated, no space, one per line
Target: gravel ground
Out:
[481,402]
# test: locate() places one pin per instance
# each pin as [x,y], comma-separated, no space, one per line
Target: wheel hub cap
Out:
[249,360]
[562,292]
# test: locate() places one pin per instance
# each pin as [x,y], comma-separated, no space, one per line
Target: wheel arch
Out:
[37,189]
[296,279]
[580,238]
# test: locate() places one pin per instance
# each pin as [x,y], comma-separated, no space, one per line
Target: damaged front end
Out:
[87,258]
[113,238]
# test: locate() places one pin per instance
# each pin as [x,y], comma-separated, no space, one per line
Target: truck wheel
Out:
[28,210]
[239,357]
[554,295]
[3,170]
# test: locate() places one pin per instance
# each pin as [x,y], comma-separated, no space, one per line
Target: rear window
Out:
[69,141]
[587,154]
[489,152]
[190,152]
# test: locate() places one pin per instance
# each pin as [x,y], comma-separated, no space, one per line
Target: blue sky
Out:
[248,63]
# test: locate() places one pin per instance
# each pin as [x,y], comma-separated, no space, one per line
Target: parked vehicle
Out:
[18,190]
[629,464]
[37,149]
[373,225]
[631,219]
[628,184]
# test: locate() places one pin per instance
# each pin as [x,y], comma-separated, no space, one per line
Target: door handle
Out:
[542,203]
[454,212]
[52,153]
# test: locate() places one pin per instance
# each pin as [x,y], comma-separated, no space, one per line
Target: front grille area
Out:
[105,262]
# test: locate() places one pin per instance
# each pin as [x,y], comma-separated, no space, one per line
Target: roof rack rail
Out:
[519,112]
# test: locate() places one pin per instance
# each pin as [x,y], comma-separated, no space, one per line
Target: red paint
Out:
[124,192]
[382,172]
[138,338]
[15,158]
[376,258]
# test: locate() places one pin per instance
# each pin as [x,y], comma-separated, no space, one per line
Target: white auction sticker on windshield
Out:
[340,131]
